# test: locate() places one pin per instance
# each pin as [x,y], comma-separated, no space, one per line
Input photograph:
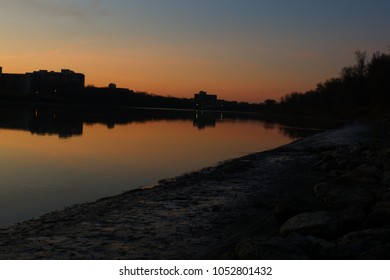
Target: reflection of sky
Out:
[243,50]
[42,173]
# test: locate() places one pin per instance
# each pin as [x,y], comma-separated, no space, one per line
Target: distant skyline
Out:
[241,50]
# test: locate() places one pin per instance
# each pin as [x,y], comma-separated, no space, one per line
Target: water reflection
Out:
[110,150]
[68,121]
[205,119]
[41,121]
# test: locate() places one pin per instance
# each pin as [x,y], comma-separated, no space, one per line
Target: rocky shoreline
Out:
[324,197]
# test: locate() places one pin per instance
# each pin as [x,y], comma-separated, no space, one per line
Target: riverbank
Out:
[321,197]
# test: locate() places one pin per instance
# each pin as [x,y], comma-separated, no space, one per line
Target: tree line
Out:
[360,91]
[91,95]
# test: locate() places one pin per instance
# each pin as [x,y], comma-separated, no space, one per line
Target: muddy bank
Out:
[269,205]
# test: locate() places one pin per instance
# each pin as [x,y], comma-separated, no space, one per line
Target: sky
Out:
[244,50]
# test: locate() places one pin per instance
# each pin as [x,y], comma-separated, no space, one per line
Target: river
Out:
[56,156]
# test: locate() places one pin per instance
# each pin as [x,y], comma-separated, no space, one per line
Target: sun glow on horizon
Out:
[244,52]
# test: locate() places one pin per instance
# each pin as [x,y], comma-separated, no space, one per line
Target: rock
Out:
[386,179]
[378,193]
[357,243]
[357,148]
[266,248]
[382,205]
[386,196]
[352,217]
[369,170]
[365,182]
[327,162]
[358,178]
[342,164]
[386,165]
[340,196]
[291,206]
[381,252]
[314,248]
[335,173]
[216,208]
[379,217]
[383,154]
[344,178]
[354,162]
[319,224]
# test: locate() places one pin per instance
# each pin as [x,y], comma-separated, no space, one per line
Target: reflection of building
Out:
[12,82]
[205,119]
[42,82]
[51,122]
[204,101]
[41,121]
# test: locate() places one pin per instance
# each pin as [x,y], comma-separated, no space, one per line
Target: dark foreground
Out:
[324,197]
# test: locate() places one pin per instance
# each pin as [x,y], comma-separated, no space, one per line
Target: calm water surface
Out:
[56,157]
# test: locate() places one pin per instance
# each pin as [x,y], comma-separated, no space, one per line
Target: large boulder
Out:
[315,248]
[291,206]
[386,165]
[383,158]
[353,217]
[380,252]
[327,162]
[267,248]
[357,243]
[369,170]
[379,217]
[386,179]
[386,196]
[320,224]
[342,196]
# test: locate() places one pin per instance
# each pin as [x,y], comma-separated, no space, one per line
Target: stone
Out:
[380,252]
[356,243]
[314,247]
[345,178]
[369,170]
[386,165]
[266,248]
[353,163]
[384,154]
[291,206]
[366,182]
[382,205]
[386,196]
[378,193]
[320,224]
[358,148]
[386,179]
[342,164]
[338,197]
[352,217]
[379,217]
[335,173]
[326,162]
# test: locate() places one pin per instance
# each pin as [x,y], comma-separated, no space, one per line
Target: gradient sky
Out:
[245,50]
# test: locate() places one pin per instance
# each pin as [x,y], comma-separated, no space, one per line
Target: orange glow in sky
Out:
[241,50]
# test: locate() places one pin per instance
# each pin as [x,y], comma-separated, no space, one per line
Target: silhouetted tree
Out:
[379,80]
[362,89]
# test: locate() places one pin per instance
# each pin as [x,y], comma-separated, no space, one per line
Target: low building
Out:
[46,82]
[43,82]
[204,101]
[12,82]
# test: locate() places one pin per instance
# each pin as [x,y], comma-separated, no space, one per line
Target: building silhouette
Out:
[43,82]
[41,120]
[204,101]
